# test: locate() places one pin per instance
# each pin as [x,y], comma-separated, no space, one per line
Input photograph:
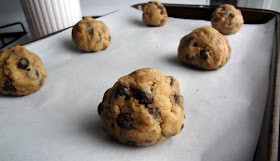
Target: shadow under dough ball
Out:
[143,108]
[91,35]
[227,19]
[21,72]
[204,48]
[154,14]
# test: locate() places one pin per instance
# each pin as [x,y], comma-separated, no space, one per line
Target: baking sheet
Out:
[224,108]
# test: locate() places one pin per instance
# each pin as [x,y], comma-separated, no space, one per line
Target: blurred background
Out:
[12,13]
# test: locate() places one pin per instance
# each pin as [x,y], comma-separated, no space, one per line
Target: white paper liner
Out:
[224,108]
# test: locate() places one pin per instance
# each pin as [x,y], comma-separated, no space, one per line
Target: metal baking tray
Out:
[267,148]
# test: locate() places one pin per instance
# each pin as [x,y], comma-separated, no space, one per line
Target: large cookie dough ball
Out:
[154,14]
[91,35]
[143,108]
[21,72]
[204,48]
[227,19]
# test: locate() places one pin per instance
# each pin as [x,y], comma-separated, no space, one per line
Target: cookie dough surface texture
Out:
[154,14]
[21,72]
[227,19]
[91,35]
[143,108]
[204,48]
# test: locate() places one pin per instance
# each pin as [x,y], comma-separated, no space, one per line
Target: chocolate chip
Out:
[203,55]
[142,96]
[188,40]
[149,141]
[120,91]
[124,121]
[230,16]
[100,108]
[179,100]
[162,20]
[154,113]
[161,10]
[223,9]
[176,98]
[127,98]
[33,74]
[131,143]
[172,81]
[91,31]
[13,51]
[9,87]
[109,37]
[194,44]
[182,126]
[22,63]
[189,57]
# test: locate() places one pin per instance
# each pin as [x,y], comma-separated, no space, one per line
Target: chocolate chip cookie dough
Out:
[91,35]
[227,19]
[21,72]
[143,108]
[154,14]
[204,48]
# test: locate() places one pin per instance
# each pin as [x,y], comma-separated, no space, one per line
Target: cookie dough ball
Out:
[227,19]
[91,35]
[21,72]
[204,48]
[143,108]
[154,14]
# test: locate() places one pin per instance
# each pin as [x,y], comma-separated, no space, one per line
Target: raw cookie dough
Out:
[227,19]
[154,14]
[143,108]
[21,72]
[91,35]
[204,48]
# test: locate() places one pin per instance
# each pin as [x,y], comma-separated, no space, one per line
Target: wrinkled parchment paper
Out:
[224,108]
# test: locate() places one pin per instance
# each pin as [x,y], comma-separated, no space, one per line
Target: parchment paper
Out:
[224,108]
